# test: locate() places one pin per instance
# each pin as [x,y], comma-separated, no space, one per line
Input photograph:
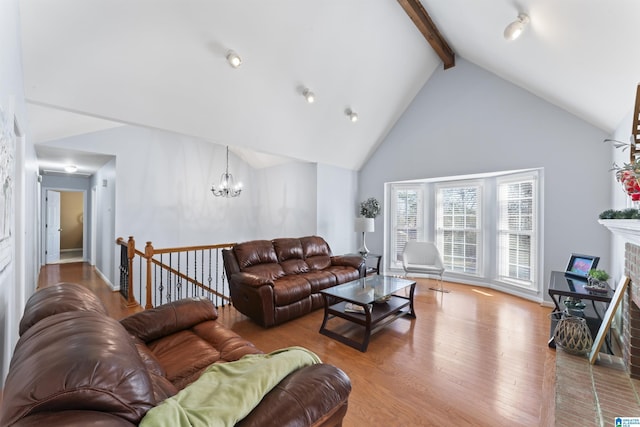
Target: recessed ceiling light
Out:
[234,59]
[71,168]
[309,96]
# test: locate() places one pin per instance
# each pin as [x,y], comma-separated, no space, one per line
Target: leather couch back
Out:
[56,299]
[77,361]
[279,257]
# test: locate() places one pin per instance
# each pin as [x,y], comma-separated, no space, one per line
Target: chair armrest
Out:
[248,279]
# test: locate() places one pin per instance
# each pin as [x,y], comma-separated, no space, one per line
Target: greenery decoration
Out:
[629,213]
[370,208]
[600,275]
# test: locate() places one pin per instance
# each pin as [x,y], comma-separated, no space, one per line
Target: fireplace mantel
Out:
[628,229]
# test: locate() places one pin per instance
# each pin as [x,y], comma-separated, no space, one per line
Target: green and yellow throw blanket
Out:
[228,392]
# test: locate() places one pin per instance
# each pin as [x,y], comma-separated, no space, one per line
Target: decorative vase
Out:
[572,335]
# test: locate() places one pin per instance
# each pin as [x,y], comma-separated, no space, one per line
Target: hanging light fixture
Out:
[227,187]
[515,29]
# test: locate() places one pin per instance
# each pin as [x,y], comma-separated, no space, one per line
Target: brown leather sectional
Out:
[273,281]
[75,366]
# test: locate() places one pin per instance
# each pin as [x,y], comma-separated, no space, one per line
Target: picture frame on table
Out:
[580,265]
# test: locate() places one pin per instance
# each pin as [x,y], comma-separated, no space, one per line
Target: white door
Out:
[53,227]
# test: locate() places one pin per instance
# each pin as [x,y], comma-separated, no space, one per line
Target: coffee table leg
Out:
[326,313]
[367,329]
[411,312]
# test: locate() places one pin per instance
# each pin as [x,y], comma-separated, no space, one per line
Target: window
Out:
[486,226]
[407,214]
[458,227]
[517,230]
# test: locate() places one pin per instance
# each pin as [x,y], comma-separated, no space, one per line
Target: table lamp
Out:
[364,225]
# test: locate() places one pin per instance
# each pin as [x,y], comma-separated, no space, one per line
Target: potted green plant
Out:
[597,280]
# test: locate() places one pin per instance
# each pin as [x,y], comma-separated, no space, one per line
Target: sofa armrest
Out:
[248,279]
[355,261]
[166,319]
[315,395]
[73,419]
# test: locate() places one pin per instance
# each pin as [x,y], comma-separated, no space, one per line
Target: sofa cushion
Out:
[343,274]
[317,253]
[288,248]
[59,298]
[254,253]
[269,272]
[77,361]
[290,289]
[320,280]
[178,363]
[207,343]
[290,255]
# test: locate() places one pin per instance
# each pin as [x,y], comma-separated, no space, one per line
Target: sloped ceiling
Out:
[161,64]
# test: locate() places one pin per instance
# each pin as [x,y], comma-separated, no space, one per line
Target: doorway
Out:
[64,226]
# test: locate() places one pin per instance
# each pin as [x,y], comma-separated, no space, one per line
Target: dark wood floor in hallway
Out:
[472,357]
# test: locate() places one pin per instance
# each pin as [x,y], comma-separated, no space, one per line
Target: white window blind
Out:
[407,214]
[458,227]
[517,224]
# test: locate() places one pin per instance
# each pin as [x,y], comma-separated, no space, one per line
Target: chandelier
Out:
[227,187]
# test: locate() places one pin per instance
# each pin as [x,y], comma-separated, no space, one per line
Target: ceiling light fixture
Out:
[234,59]
[309,96]
[352,115]
[516,28]
[71,168]
[227,187]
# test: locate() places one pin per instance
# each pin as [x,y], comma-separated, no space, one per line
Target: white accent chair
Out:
[423,258]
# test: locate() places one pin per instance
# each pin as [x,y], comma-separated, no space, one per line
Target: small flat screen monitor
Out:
[579,265]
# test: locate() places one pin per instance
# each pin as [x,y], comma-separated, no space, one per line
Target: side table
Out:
[372,262]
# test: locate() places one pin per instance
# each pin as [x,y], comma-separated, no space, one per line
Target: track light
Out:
[516,28]
[352,115]
[234,59]
[309,96]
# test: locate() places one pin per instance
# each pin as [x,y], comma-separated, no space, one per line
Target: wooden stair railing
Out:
[182,275]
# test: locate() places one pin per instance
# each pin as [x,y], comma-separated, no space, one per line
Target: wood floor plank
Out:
[472,357]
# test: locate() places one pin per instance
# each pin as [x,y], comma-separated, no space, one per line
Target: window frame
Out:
[439,227]
[394,263]
[534,234]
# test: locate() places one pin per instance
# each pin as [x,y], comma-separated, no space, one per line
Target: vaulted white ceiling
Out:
[161,64]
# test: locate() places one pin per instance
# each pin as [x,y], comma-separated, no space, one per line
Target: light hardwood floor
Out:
[472,357]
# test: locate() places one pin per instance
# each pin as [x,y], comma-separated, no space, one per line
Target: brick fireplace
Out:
[587,394]
[630,337]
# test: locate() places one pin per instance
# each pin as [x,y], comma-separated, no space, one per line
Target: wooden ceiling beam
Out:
[423,22]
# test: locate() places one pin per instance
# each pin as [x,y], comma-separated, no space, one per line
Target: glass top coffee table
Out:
[371,302]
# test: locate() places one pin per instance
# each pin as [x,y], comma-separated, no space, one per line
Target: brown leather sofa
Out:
[75,366]
[273,281]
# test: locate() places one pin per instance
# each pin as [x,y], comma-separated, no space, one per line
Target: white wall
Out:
[336,208]
[159,191]
[19,277]
[467,120]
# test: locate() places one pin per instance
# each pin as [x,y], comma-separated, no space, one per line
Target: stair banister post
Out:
[148,254]
[131,253]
